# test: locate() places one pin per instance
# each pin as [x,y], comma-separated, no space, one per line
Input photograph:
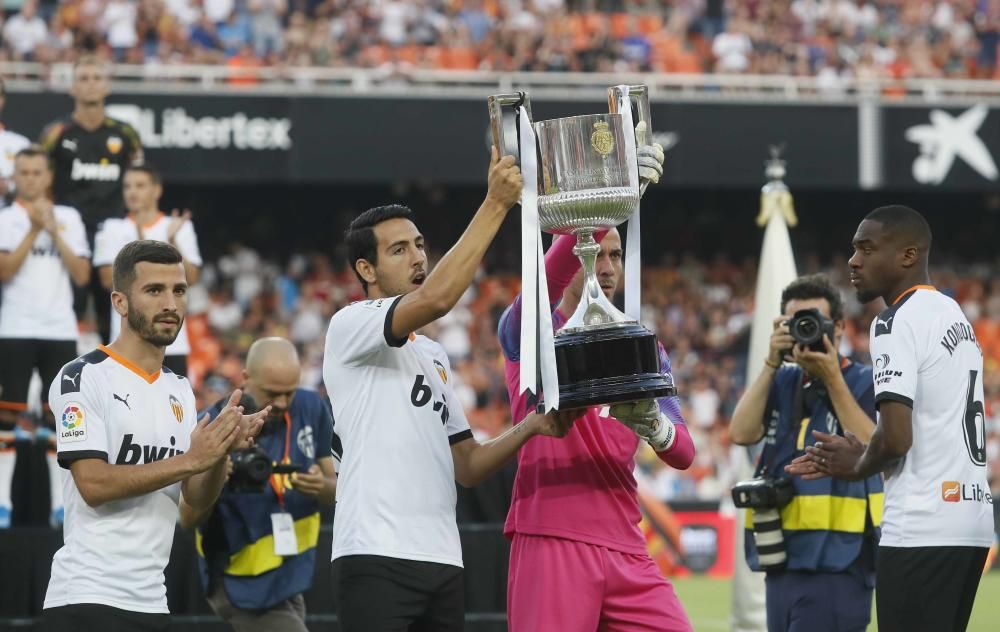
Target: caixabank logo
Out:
[955,492]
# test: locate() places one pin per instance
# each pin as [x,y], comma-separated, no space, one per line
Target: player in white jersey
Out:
[143,187]
[930,439]
[43,251]
[396,550]
[10,144]
[129,435]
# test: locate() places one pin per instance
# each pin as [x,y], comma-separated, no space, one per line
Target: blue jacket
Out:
[236,543]
[827,522]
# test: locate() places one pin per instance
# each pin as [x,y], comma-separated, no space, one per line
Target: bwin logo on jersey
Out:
[101,172]
[948,138]
[134,453]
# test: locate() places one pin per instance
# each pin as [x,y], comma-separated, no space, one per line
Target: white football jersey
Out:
[397,416]
[116,233]
[107,408]
[926,356]
[38,301]
[10,144]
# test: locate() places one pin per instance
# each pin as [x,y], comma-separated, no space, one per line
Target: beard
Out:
[147,331]
[866,295]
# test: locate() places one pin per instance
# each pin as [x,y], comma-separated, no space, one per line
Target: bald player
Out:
[258,550]
[930,438]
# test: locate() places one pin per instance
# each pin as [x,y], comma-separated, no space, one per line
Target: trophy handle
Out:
[496,103]
[641,95]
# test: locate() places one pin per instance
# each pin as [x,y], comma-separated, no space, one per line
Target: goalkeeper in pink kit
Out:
[578,559]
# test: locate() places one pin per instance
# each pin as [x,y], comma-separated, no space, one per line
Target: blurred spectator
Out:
[265,19]
[836,40]
[118,24]
[24,31]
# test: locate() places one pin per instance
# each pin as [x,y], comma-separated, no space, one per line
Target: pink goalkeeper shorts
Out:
[558,585]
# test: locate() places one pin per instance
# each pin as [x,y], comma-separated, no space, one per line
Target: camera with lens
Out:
[252,468]
[807,327]
[765,497]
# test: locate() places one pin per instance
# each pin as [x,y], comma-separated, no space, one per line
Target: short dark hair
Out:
[90,59]
[33,150]
[906,225]
[814,286]
[134,253]
[360,235]
[149,170]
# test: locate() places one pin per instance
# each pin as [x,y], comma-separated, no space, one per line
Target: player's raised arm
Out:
[453,274]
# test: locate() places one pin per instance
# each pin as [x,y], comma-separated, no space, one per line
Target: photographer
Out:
[258,546]
[814,538]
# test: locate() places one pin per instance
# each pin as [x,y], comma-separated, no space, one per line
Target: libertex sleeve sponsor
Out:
[895,352]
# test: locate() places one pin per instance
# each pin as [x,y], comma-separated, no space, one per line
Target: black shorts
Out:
[384,594]
[176,363]
[91,616]
[19,357]
[928,588]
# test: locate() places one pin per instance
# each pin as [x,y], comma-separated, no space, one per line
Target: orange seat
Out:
[619,25]
[410,54]
[460,58]
[651,23]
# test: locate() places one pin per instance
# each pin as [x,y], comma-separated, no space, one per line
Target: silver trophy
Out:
[585,185]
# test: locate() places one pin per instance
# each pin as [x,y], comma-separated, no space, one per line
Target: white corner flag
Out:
[776,269]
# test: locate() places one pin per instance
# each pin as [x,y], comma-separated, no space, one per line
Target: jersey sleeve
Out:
[106,244]
[324,431]
[187,244]
[9,241]
[75,234]
[362,329]
[135,152]
[50,136]
[894,350]
[457,424]
[78,398]
[669,406]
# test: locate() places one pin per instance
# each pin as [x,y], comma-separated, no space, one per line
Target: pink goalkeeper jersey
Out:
[580,487]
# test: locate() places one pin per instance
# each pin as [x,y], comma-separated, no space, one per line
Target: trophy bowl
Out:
[584,174]
[585,185]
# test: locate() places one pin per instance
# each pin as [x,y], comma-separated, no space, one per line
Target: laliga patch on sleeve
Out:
[72,424]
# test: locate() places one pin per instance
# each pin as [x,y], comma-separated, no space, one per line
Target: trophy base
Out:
[609,365]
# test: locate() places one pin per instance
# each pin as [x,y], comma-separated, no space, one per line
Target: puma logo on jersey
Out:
[102,172]
[135,453]
[71,378]
[124,401]
[884,325]
[69,144]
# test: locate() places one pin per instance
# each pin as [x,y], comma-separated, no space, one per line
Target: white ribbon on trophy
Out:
[633,251]
[538,354]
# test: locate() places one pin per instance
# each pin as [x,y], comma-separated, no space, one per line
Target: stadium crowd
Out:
[700,309]
[832,39]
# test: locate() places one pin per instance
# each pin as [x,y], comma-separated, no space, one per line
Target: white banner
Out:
[537,338]
[633,251]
